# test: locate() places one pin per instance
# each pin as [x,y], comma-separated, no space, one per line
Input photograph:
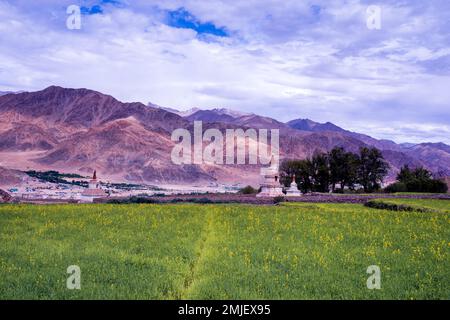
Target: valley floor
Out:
[189,251]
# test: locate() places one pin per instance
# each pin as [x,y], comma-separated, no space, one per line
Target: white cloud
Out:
[312,59]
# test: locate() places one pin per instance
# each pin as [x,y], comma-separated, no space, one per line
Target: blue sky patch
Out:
[182,18]
[97,9]
[114,2]
[316,10]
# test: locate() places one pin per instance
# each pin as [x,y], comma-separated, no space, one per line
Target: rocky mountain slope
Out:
[82,130]
[79,130]
[302,137]
[10,177]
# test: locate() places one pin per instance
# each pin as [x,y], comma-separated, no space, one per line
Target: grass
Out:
[191,251]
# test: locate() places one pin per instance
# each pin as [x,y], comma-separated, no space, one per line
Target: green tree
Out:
[301,170]
[320,172]
[417,180]
[422,174]
[405,174]
[248,190]
[343,167]
[372,168]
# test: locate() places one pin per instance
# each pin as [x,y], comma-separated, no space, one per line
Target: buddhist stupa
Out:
[293,189]
[93,191]
[271,186]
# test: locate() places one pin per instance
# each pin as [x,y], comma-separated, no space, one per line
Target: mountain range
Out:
[80,130]
[2,93]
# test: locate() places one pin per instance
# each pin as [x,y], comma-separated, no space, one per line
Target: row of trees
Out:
[324,172]
[417,180]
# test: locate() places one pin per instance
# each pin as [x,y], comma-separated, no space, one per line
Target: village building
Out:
[93,191]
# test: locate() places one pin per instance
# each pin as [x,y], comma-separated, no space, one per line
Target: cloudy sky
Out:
[319,59]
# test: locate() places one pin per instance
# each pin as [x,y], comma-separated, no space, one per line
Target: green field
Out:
[187,251]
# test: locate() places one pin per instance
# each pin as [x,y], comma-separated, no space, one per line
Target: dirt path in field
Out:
[205,237]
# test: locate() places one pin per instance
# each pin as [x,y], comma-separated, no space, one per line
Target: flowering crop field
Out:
[187,251]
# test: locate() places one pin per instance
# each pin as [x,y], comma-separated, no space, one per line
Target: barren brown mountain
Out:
[10,177]
[79,130]
[303,137]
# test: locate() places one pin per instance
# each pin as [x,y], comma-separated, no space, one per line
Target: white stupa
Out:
[93,191]
[271,186]
[293,189]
